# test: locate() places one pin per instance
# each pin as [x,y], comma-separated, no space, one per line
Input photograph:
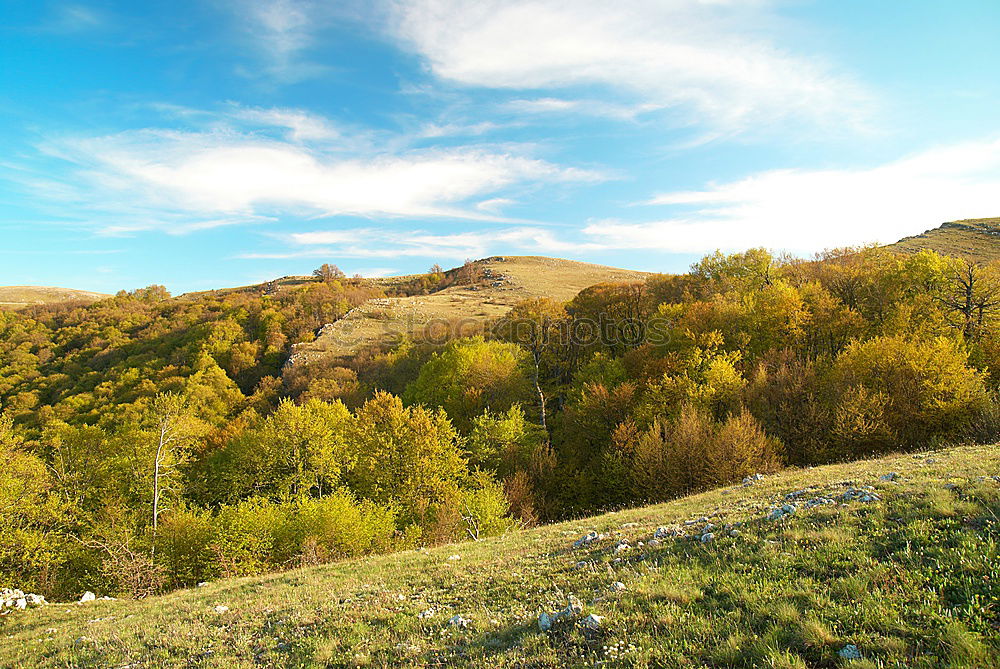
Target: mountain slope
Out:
[21,296]
[910,579]
[977,239]
[508,280]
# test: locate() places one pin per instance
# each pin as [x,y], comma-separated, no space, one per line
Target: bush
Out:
[338,526]
[246,538]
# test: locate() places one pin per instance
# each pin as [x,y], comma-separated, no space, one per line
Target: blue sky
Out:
[222,142]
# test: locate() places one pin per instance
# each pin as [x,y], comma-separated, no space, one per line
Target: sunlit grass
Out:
[911,581]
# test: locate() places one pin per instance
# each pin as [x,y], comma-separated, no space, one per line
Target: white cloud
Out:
[186,180]
[716,61]
[808,210]
[282,31]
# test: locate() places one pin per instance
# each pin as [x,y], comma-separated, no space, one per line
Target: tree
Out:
[174,429]
[328,272]
[535,325]
[972,296]
[470,376]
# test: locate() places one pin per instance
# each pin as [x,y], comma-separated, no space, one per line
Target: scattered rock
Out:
[88,597]
[891,476]
[866,494]
[734,533]
[750,480]
[454,557]
[849,652]
[622,545]
[818,501]
[592,622]
[458,621]
[653,543]
[544,622]
[427,613]
[667,532]
[587,539]
[221,609]
[781,512]
[708,536]
[582,564]
[626,526]
[618,586]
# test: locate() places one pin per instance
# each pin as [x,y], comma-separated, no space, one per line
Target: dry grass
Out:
[977,239]
[17,297]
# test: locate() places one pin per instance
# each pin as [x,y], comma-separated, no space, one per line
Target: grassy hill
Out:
[978,239]
[16,297]
[508,280]
[911,579]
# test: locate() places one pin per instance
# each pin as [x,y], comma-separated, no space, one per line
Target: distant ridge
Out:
[975,238]
[18,297]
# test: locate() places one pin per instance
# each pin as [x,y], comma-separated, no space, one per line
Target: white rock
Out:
[427,613]
[88,597]
[653,543]
[592,622]
[708,536]
[221,608]
[618,585]
[850,652]
[587,539]
[21,603]
[582,564]
[458,621]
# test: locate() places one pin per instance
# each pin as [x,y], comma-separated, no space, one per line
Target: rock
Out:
[708,536]
[849,652]
[427,613]
[860,495]
[950,486]
[35,600]
[21,604]
[622,545]
[750,480]
[458,621]
[734,533]
[618,586]
[203,584]
[221,608]
[891,476]
[88,597]
[454,557]
[592,622]
[653,543]
[818,501]
[626,526]
[582,564]
[587,539]
[544,622]
[781,512]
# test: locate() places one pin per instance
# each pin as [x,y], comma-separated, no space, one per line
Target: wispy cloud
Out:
[282,32]
[184,180]
[66,19]
[809,210]
[714,63]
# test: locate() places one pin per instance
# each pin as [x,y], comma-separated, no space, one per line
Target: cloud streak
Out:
[716,63]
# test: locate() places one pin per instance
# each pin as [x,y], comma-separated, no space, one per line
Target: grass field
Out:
[978,239]
[458,309]
[16,297]
[911,579]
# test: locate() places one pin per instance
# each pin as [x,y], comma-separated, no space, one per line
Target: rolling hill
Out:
[16,297]
[891,561]
[507,281]
[977,239]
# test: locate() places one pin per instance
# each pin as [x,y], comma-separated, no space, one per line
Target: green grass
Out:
[911,580]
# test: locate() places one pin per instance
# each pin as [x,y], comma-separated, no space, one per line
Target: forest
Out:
[150,443]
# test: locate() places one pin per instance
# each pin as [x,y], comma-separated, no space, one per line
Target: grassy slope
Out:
[379,322]
[978,239]
[911,580]
[21,296]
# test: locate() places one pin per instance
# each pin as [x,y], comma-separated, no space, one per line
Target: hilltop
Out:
[17,297]
[895,557]
[502,282]
[977,239]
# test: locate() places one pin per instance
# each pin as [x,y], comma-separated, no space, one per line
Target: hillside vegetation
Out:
[15,297]
[895,557]
[149,443]
[977,239]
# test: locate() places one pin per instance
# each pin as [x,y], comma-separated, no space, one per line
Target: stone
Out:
[458,621]
[849,652]
[427,613]
[708,536]
[88,597]
[592,622]
[544,622]
[622,545]
[618,586]
[454,557]
[20,603]
[750,480]
[587,539]
[35,600]
[891,476]
[221,608]
[734,533]
[653,543]
[582,564]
